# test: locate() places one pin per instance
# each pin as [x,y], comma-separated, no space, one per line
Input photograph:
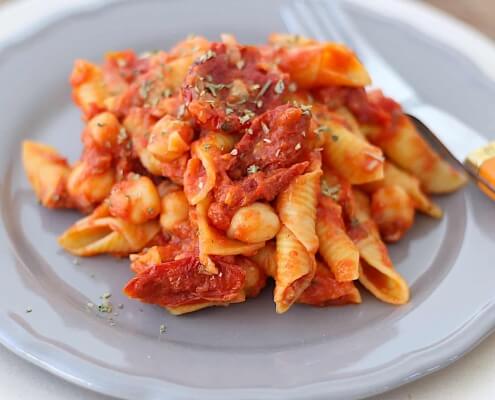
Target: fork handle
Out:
[481,162]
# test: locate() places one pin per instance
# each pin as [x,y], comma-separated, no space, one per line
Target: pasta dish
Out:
[217,166]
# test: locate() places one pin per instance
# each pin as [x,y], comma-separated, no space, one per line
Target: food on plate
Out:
[217,166]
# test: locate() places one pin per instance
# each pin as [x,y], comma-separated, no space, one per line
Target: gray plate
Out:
[245,351]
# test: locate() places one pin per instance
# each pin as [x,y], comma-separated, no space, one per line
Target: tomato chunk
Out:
[231,84]
[276,139]
[184,281]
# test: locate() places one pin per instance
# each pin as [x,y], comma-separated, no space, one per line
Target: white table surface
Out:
[471,378]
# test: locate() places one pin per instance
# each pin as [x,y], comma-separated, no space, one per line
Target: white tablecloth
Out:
[471,378]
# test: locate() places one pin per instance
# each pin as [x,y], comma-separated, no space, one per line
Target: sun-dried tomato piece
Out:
[185,281]
[231,84]
[276,139]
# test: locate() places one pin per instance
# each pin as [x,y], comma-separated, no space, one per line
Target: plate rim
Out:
[464,339]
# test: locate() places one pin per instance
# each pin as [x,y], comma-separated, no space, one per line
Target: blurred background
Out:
[479,13]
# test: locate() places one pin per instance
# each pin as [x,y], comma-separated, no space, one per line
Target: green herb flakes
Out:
[264,89]
[252,169]
[144,90]
[122,136]
[181,111]
[279,87]
[248,114]
[306,108]
[330,191]
[106,305]
[207,56]
[214,88]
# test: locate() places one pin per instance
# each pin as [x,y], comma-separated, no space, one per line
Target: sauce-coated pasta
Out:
[216,166]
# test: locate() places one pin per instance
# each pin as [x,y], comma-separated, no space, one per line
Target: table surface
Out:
[469,378]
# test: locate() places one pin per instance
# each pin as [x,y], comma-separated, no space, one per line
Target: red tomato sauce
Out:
[324,290]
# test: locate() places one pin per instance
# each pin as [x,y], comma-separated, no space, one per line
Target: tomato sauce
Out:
[230,196]
[324,290]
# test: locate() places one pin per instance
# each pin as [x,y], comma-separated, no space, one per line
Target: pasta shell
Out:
[336,248]
[266,258]
[47,172]
[213,242]
[99,234]
[189,308]
[351,156]
[411,152]
[377,273]
[295,270]
[296,207]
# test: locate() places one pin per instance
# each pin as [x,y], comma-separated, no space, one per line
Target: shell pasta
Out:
[217,166]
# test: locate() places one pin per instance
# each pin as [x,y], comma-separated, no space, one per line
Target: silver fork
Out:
[325,20]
